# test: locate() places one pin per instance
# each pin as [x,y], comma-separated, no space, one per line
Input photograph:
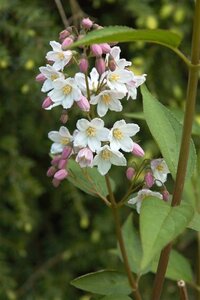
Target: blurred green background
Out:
[49,236]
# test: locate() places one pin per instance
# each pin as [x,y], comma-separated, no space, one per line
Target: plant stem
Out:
[114,208]
[183,290]
[62,13]
[185,144]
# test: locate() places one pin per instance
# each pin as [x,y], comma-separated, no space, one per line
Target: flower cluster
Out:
[155,176]
[95,91]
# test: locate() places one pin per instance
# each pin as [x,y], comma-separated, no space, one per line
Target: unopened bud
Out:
[67,42]
[165,195]
[62,164]
[105,48]
[61,174]
[149,179]
[100,65]
[83,65]
[86,23]
[66,153]
[130,172]
[40,77]
[64,117]
[55,160]
[63,34]
[137,150]
[55,182]
[51,171]
[96,50]
[47,103]
[83,104]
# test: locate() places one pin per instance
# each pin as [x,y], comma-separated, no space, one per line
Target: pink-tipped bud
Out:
[55,182]
[63,34]
[66,153]
[96,50]
[130,172]
[47,103]
[149,179]
[137,150]
[55,160]
[112,64]
[165,195]
[105,48]
[61,174]
[100,65]
[62,164]
[64,117]
[86,23]
[40,77]
[85,158]
[51,171]
[83,65]
[67,42]
[83,104]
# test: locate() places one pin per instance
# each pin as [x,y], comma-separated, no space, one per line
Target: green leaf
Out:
[159,224]
[126,34]
[103,282]
[114,297]
[166,130]
[195,222]
[88,180]
[178,267]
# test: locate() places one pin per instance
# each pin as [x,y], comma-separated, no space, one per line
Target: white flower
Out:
[160,170]
[93,81]
[51,74]
[85,158]
[108,99]
[106,157]
[58,56]
[121,63]
[134,84]
[119,136]
[117,80]
[90,133]
[142,194]
[65,92]
[61,139]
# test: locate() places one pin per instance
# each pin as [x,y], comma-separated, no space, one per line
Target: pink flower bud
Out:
[64,117]
[47,102]
[85,158]
[105,48]
[83,65]
[67,42]
[165,195]
[62,164]
[63,34]
[137,150]
[55,160]
[83,104]
[86,23]
[40,77]
[100,65]
[55,182]
[130,172]
[51,171]
[66,153]
[61,174]
[149,179]
[96,50]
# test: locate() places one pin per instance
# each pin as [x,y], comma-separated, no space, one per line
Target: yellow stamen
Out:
[106,98]
[159,168]
[106,154]
[64,141]
[114,77]
[67,89]
[61,55]
[54,76]
[117,134]
[91,131]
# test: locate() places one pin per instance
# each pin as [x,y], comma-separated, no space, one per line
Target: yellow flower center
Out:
[54,76]
[91,131]
[67,89]
[60,56]
[106,98]
[114,77]
[117,134]
[106,154]
[64,140]
[159,168]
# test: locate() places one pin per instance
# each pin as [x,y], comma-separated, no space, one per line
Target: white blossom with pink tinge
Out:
[60,57]
[61,139]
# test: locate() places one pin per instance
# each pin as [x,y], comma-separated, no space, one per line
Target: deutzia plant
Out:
[86,75]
